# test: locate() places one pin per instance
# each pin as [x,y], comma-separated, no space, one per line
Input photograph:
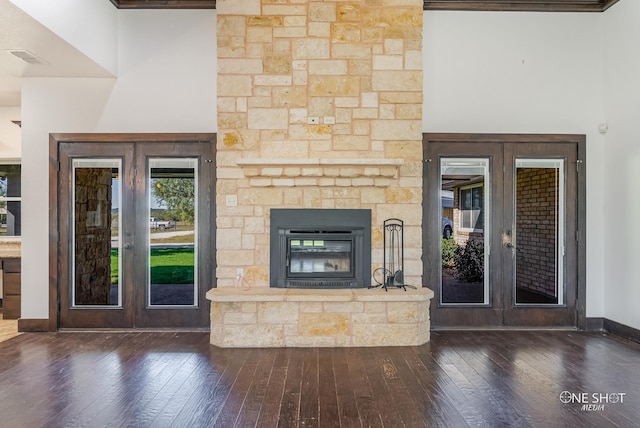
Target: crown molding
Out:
[164,4]
[471,5]
[522,6]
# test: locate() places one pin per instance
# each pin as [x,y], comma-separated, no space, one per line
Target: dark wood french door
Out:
[134,236]
[513,258]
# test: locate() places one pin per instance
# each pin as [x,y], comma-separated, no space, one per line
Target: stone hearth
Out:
[264,317]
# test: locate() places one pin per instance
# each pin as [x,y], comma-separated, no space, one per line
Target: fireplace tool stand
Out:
[393,254]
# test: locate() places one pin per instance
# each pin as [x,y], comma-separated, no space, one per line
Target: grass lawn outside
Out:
[168,265]
[181,239]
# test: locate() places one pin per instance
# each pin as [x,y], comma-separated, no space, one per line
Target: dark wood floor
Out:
[477,378]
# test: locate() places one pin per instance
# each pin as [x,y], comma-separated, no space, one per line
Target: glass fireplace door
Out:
[320,256]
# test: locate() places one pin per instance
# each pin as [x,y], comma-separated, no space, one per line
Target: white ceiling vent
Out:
[26,56]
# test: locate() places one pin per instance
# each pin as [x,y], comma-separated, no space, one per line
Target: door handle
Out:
[506,239]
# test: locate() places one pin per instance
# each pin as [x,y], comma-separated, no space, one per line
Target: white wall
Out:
[505,72]
[622,164]
[166,83]
[166,77]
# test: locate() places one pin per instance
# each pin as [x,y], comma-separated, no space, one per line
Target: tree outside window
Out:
[177,195]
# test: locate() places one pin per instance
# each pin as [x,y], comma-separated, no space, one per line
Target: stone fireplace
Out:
[319,107]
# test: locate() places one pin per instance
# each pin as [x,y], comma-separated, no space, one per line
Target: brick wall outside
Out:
[354,65]
[536,230]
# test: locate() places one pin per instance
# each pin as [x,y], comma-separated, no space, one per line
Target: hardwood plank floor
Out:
[8,328]
[170,379]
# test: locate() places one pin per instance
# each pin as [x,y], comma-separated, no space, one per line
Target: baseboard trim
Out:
[621,330]
[28,325]
[613,327]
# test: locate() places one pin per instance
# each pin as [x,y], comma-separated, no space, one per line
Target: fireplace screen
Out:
[314,256]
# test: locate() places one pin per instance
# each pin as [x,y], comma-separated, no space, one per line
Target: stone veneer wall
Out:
[356,66]
[92,235]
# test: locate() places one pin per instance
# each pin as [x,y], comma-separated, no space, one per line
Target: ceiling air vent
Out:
[26,56]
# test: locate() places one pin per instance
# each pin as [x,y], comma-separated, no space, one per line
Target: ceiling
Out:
[20,32]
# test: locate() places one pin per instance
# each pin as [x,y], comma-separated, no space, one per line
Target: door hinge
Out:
[57,166]
[578,162]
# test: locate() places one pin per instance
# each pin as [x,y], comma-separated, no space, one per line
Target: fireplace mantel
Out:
[280,172]
[305,162]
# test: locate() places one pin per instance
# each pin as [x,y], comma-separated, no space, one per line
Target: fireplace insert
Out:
[320,248]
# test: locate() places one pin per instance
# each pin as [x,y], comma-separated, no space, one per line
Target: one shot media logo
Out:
[592,401]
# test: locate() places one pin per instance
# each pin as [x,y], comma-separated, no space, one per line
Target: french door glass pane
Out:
[538,241]
[10,200]
[172,190]
[464,254]
[96,279]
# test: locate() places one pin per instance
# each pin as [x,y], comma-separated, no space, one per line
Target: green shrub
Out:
[469,261]
[448,253]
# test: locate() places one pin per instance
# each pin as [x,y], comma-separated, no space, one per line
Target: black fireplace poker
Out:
[393,255]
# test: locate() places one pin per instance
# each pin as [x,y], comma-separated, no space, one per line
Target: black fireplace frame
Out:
[353,225]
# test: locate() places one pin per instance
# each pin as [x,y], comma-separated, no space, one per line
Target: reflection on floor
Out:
[8,328]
